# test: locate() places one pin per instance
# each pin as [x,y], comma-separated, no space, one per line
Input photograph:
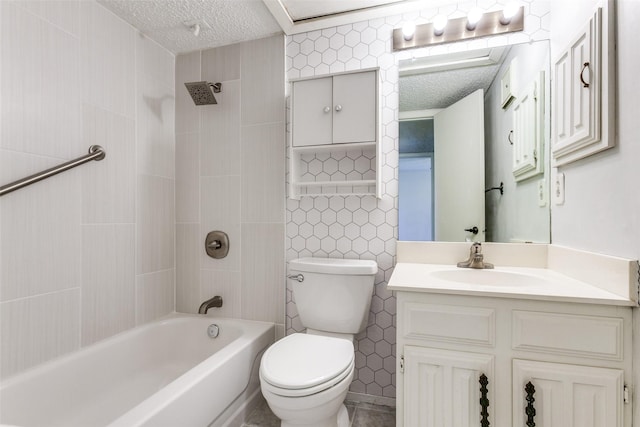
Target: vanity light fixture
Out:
[439,24]
[473,17]
[476,25]
[408,30]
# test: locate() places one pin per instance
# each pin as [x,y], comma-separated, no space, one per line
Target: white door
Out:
[442,387]
[459,170]
[567,395]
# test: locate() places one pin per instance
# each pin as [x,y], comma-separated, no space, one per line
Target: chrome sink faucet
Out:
[213,302]
[476,259]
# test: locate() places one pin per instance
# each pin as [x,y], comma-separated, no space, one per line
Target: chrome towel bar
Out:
[96,152]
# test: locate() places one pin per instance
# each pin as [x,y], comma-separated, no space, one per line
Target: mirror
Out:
[474,144]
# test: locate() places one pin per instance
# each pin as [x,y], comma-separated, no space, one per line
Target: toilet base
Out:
[341,420]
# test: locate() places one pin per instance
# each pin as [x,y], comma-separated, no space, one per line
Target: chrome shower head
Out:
[202,92]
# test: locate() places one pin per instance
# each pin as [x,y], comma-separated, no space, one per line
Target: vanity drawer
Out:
[568,334]
[449,323]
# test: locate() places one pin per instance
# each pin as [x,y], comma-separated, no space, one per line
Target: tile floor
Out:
[360,415]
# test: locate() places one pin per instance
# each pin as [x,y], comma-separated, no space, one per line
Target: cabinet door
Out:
[312,112]
[442,388]
[354,107]
[567,395]
[528,129]
[577,100]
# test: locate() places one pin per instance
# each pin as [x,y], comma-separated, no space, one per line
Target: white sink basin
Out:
[488,277]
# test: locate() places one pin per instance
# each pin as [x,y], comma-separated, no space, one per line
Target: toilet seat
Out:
[301,364]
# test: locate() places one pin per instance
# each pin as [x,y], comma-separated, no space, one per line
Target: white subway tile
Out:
[220,210]
[263,166]
[227,285]
[188,177]
[220,135]
[41,229]
[108,193]
[263,275]
[155,230]
[39,84]
[263,81]
[221,63]
[107,66]
[155,128]
[155,295]
[154,61]
[38,329]
[108,280]
[189,244]
[187,113]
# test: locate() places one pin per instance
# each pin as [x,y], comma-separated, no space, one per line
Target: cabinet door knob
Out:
[338,107]
[327,109]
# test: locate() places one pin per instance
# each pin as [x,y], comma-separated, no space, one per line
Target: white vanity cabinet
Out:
[334,146]
[577,358]
[583,103]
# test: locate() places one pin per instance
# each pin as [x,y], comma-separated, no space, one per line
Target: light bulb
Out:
[473,17]
[408,30]
[439,22]
[509,11]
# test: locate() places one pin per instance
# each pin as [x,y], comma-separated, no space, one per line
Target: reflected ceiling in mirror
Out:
[459,114]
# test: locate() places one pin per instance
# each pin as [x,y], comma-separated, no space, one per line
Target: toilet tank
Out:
[335,294]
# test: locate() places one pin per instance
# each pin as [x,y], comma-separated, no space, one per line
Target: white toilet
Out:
[305,377]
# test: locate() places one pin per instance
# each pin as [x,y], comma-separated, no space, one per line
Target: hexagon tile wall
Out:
[363,226]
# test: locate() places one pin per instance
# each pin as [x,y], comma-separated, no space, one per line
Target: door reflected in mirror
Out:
[472,123]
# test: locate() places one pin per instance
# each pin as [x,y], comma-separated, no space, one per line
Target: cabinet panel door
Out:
[312,112]
[354,107]
[442,388]
[568,395]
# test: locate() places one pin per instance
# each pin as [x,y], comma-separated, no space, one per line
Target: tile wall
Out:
[230,170]
[90,252]
[363,226]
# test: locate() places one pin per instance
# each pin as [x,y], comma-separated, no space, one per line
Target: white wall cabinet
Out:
[576,356]
[528,131]
[334,145]
[583,103]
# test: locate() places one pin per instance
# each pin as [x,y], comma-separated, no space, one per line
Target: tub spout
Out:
[213,302]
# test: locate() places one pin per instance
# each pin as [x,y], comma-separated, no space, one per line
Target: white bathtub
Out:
[166,373]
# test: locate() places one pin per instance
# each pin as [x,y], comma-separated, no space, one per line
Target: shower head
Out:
[202,92]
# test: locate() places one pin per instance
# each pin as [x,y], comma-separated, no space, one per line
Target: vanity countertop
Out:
[512,282]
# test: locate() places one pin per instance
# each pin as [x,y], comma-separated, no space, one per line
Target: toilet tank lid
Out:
[334,266]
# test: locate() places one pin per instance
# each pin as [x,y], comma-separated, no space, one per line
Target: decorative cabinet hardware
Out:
[484,401]
[584,67]
[530,410]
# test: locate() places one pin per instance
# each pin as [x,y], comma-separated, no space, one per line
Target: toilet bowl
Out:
[305,377]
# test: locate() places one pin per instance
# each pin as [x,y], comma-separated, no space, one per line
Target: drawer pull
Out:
[529,409]
[484,401]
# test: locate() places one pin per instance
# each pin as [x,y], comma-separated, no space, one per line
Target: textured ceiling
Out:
[231,21]
[443,88]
